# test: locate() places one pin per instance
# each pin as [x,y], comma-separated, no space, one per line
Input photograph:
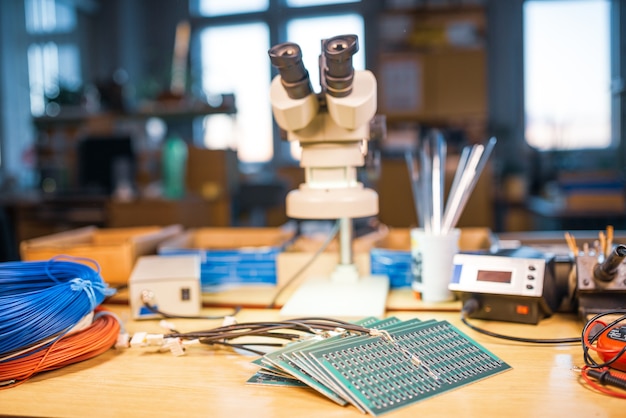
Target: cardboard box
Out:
[114,249]
[231,256]
[189,212]
[444,83]
[212,174]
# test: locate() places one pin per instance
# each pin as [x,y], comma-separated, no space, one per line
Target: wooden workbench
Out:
[210,382]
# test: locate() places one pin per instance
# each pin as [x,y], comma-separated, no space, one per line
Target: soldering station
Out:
[332,335]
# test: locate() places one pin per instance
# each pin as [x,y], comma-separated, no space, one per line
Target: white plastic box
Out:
[170,284]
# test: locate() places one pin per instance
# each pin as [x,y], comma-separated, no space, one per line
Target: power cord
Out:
[306,265]
[154,310]
[471,305]
[290,330]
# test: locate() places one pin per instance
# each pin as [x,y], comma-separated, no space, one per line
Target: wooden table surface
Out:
[211,382]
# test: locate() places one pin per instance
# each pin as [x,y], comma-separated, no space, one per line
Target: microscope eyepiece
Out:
[287,58]
[339,72]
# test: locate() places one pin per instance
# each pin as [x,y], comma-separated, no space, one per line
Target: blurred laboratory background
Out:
[121,113]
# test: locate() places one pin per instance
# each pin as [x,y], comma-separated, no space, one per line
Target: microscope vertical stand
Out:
[344,294]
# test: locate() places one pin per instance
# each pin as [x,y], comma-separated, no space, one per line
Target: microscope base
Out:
[324,297]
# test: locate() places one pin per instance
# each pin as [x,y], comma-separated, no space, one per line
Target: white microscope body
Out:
[332,128]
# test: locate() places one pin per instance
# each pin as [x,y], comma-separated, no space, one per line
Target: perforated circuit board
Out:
[413,360]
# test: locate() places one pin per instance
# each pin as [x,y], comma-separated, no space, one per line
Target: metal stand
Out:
[342,295]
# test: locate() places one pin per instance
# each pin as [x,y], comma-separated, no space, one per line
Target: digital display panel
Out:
[494,276]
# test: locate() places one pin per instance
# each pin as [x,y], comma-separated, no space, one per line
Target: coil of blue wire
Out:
[43,300]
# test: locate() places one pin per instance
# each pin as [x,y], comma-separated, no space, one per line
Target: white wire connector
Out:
[333,333]
[167,325]
[177,346]
[191,342]
[381,333]
[174,345]
[144,339]
[229,320]
[123,339]
[154,340]
[139,339]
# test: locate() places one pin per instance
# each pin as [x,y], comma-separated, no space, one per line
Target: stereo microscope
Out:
[333,129]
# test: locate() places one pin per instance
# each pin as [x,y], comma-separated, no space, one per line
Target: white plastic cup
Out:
[432,258]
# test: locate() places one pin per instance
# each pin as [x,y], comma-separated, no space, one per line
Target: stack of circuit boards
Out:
[406,362]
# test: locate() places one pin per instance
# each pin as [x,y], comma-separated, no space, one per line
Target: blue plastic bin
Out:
[231,256]
[396,264]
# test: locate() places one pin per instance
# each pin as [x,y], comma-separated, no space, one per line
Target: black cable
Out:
[471,305]
[245,347]
[586,343]
[306,265]
[310,326]
[154,310]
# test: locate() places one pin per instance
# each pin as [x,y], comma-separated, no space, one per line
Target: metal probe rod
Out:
[345,240]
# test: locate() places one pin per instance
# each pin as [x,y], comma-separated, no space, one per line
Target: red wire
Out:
[94,340]
[595,348]
[593,383]
[586,336]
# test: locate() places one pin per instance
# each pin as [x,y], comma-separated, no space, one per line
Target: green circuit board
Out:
[269,379]
[410,361]
[424,360]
